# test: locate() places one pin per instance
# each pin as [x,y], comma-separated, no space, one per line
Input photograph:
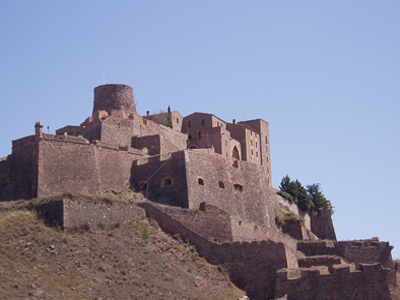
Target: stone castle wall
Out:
[73,213]
[363,251]
[252,266]
[240,191]
[370,282]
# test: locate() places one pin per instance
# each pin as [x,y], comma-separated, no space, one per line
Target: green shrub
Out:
[145,234]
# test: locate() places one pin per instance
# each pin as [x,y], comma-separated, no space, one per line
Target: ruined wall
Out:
[252,266]
[370,282]
[165,179]
[241,192]
[363,251]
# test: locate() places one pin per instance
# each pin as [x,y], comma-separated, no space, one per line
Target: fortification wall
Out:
[242,192]
[252,266]
[322,225]
[70,164]
[23,166]
[164,178]
[5,179]
[211,225]
[118,130]
[370,282]
[363,251]
[73,213]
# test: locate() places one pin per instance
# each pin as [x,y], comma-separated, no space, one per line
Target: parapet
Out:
[111,97]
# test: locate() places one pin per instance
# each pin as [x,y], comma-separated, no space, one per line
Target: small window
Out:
[190,124]
[190,137]
[256,144]
[256,154]
[226,154]
[200,181]
[199,134]
[238,187]
[251,142]
[252,153]
[221,185]
[226,143]
[217,123]
[177,120]
[251,132]
[267,169]
[266,140]
[203,122]
[167,182]
[266,148]
[267,159]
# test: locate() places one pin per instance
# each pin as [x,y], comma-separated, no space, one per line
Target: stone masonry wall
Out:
[72,213]
[164,178]
[241,191]
[308,284]
[213,226]
[322,225]
[363,251]
[252,266]
[81,168]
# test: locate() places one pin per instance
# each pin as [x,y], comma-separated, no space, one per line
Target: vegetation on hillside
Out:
[307,198]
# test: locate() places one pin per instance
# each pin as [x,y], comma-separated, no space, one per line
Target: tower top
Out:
[110,97]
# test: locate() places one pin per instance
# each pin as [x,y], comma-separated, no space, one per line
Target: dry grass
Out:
[110,263]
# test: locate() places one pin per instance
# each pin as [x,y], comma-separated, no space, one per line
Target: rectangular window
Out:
[203,122]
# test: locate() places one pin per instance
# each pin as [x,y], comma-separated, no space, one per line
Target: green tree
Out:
[317,197]
[303,198]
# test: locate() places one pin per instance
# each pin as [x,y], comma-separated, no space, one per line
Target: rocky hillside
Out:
[131,261]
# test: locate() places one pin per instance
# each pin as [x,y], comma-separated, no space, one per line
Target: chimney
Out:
[148,113]
[234,121]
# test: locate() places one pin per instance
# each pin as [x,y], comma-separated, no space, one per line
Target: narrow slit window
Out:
[221,185]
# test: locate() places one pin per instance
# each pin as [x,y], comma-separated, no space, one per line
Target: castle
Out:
[209,181]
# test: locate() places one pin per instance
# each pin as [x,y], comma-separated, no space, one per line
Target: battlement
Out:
[346,282]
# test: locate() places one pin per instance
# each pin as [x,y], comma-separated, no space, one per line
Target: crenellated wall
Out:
[369,282]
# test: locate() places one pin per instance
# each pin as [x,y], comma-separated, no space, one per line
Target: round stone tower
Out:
[114,97]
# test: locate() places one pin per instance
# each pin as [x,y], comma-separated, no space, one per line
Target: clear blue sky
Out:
[324,74]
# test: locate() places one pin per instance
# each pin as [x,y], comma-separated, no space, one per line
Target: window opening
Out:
[266,140]
[167,182]
[238,187]
[190,136]
[235,153]
[203,122]
[190,124]
[200,181]
[177,120]
[221,185]
[199,134]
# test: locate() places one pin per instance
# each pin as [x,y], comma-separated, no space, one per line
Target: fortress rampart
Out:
[216,178]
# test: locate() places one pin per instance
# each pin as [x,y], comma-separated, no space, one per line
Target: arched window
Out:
[200,181]
[221,185]
[199,134]
[238,187]
[168,181]
[235,153]
[203,122]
